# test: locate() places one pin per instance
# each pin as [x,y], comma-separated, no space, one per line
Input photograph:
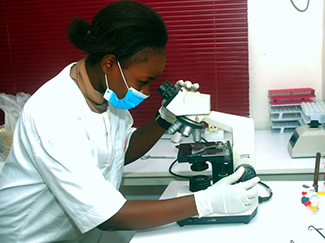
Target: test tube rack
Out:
[285,118]
[291,96]
[291,108]
[313,111]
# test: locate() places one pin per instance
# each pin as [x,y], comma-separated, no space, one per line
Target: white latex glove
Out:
[188,85]
[225,197]
[166,114]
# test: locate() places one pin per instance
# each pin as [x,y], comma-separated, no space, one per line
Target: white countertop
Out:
[272,157]
[281,219]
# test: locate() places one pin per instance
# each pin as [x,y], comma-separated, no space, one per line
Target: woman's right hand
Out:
[226,196]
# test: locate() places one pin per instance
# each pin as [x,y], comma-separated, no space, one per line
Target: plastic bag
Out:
[11,106]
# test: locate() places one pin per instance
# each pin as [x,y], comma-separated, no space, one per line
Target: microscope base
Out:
[244,217]
[218,219]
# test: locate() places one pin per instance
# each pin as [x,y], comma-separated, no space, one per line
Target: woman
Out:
[60,181]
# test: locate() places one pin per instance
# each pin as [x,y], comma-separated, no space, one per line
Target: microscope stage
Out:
[202,152]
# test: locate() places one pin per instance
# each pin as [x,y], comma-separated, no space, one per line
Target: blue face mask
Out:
[132,98]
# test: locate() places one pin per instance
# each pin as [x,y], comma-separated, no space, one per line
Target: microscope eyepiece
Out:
[167,91]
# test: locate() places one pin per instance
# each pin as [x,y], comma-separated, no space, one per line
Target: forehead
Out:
[142,56]
[149,63]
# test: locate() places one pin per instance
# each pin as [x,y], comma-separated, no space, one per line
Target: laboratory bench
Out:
[281,219]
[273,162]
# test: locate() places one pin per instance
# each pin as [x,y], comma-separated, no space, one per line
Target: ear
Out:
[107,63]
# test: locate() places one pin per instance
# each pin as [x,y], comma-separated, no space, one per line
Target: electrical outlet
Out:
[213,133]
[213,128]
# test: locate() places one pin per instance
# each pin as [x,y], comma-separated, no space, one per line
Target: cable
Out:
[196,183]
[265,199]
[174,174]
[204,139]
[300,10]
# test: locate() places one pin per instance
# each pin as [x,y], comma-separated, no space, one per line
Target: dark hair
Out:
[121,28]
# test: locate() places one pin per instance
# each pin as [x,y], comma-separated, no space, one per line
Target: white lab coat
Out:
[61,178]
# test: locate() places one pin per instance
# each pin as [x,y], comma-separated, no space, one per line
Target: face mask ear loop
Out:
[106,81]
[119,66]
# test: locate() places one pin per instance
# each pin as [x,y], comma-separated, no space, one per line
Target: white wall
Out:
[285,51]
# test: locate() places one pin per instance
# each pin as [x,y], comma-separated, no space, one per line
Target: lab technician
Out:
[60,181]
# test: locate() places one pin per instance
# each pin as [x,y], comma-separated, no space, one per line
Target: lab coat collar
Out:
[94,99]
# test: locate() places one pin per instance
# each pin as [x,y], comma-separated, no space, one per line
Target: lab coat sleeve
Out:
[62,155]
[130,131]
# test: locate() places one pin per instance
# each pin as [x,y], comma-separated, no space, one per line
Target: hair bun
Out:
[78,31]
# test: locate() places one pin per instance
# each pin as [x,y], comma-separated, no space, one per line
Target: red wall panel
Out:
[207,44]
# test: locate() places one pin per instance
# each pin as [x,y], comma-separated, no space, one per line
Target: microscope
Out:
[224,157]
